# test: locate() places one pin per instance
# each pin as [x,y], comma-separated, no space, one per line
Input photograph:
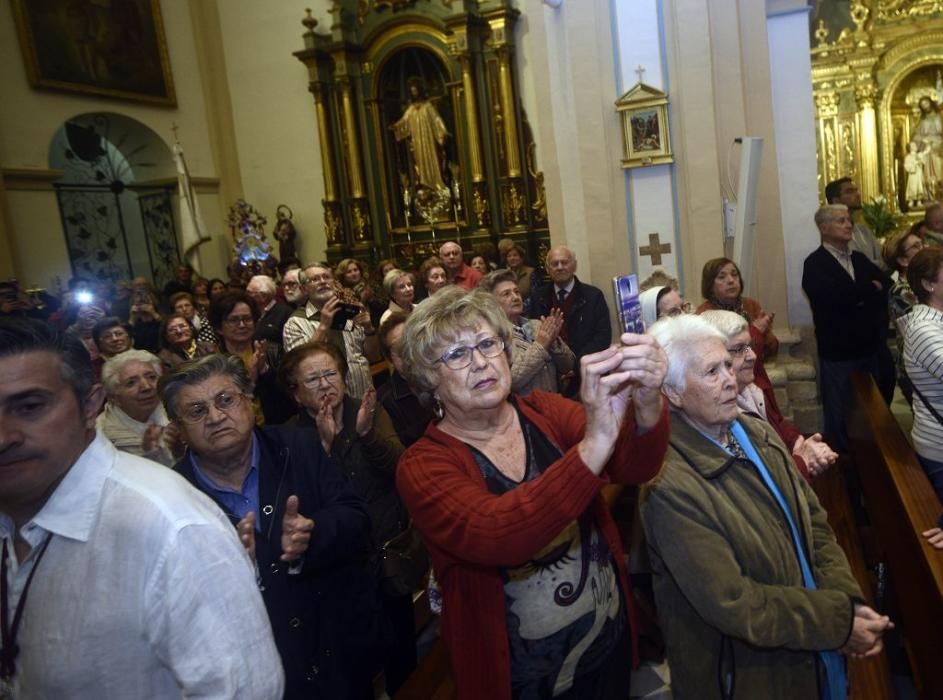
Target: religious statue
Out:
[929,137]
[426,131]
[285,233]
[914,164]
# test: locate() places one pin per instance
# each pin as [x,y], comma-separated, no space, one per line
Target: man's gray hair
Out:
[111,370]
[828,212]
[727,322]
[493,279]
[570,254]
[263,283]
[197,371]
[682,338]
[437,322]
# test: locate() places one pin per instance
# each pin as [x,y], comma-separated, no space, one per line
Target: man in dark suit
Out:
[298,519]
[848,295]
[272,313]
[587,328]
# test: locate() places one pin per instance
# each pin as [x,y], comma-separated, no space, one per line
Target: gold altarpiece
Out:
[422,133]
[877,71]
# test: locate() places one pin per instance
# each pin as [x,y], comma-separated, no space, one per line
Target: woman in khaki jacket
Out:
[755,597]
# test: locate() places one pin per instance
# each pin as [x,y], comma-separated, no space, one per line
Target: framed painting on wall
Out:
[111,49]
[645,136]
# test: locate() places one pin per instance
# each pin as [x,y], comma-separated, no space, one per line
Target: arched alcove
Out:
[115,197]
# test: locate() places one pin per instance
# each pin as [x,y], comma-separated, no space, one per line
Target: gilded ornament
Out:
[332,224]
[826,104]
[361,220]
[482,207]
[866,94]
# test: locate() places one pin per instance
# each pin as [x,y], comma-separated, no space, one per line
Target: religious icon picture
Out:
[645,137]
[108,49]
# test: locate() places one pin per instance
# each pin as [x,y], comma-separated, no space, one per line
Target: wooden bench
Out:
[901,504]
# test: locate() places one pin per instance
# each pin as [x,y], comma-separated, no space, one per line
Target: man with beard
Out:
[316,321]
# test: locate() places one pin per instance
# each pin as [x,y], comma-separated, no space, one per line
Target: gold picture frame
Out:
[115,50]
[646,139]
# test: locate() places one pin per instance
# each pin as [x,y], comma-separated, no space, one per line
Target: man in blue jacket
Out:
[296,516]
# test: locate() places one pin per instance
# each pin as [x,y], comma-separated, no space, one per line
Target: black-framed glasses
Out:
[239,320]
[460,356]
[224,401]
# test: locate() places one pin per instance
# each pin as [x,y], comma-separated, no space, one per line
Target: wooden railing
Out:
[901,504]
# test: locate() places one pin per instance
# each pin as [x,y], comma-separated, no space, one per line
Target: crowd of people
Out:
[244,507]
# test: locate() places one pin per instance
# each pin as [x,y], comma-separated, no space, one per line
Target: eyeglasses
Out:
[240,320]
[197,412]
[290,285]
[177,329]
[685,308]
[740,350]
[314,380]
[460,356]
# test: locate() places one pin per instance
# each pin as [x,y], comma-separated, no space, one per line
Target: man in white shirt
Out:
[129,583]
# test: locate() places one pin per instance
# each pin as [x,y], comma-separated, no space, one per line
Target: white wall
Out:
[794,123]
[275,126]
[650,190]
[30,118]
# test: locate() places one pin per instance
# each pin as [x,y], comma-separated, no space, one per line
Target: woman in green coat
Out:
[754,595]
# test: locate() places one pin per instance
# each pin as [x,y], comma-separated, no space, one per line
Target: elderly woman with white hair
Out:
[812,455]
[134,419]
[754,595]
[506,494]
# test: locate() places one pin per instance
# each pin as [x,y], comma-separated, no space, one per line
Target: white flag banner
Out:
[192,230]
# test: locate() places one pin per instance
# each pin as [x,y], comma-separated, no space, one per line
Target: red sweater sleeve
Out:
[442,487]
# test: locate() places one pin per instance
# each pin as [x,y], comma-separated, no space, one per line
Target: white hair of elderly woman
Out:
[727,322]
[681,338]
[111,371]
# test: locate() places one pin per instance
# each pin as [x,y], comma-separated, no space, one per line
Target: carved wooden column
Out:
[332,214]
[826,107]
[866,94]
[359,206]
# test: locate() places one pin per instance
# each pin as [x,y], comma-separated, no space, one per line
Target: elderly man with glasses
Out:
[326,318]
[296,516]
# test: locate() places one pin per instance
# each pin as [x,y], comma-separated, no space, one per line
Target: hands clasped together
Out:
[632,372]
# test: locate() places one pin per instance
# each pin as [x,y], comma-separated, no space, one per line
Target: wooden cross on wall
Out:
[655,249]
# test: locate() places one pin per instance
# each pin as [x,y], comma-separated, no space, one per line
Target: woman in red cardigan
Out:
[506,494]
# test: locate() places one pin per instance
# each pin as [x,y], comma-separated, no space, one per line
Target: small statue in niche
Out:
[285,233]
[423,126]
[914,164]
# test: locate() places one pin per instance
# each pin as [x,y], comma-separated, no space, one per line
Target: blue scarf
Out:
[837,688]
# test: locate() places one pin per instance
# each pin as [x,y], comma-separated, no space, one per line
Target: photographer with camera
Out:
[326,318]
[145,320]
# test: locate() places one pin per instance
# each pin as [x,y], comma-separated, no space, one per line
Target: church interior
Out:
[633,132]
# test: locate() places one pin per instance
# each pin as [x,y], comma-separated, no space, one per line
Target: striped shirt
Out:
[300,328]
[923,360]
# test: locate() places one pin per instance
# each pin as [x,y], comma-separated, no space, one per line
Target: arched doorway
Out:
[115,198]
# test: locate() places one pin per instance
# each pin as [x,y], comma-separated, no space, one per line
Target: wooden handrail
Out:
[901,504]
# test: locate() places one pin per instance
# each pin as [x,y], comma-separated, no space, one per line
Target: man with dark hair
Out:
[845,191]
[297,517]
[848,296]
[125,581]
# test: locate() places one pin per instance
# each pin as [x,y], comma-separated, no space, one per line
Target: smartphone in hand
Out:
[628,307]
